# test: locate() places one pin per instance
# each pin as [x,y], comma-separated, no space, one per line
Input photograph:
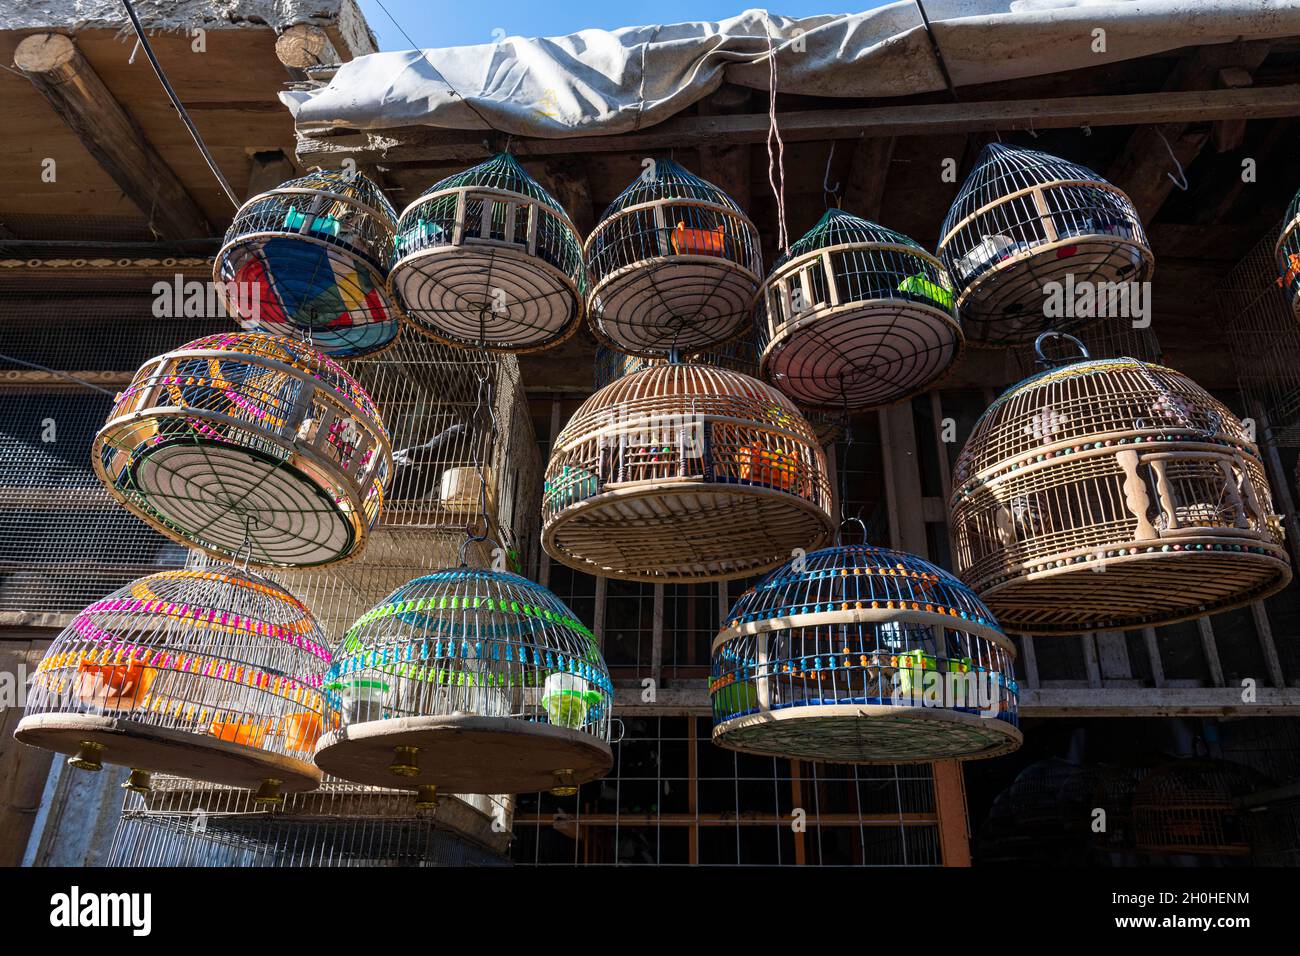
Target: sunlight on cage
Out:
[1191,806]
[1024,218]
[684,473]
[674,263]
[1110,494]
[250,444]
[858,654]
[209,673]
[855,315]
[310,258]
[1287,255]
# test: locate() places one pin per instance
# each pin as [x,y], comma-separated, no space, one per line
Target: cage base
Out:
[162,750]
[463,753]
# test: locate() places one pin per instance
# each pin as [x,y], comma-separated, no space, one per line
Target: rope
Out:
[775,160]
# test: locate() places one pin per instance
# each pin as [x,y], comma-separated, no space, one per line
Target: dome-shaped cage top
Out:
[465,657]
[1288,253]
[855,315]
[1024,219]
[310,258]
[213,673]
[248,445]
[674,263]
[487,257]
[1120,466]
[684,472]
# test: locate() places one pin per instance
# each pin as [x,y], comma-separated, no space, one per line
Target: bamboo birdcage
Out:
[1192,806]
[469,681]
[1023,219]
[1287,254]
[684,473]
[674,263]
[858,654]
[311,258]
[213,674]
[855,315]
[248,444]
[1110,494]
[488,258]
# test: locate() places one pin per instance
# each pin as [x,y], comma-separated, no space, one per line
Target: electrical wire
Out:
[54,371]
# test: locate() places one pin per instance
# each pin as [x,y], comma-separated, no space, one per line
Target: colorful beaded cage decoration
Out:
[1287,253]
[855,315]
[675,264]
[469,681]
[213,674]
[684,473]
[310,258]
[489,258]
[859,654]
[1023,220]
[248,445]
[1111,494]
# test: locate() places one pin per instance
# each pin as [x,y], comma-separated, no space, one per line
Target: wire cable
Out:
[54,371]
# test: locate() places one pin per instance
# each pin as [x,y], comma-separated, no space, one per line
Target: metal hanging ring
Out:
[1044,361]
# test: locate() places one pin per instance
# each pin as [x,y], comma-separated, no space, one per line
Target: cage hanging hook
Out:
[1041,358]
[246,546]
[827,188]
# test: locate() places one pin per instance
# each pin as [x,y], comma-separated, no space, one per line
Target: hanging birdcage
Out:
[1024,219]
[684,473]
[469,681]
[858,654]
[310,258]
[211,673]
[245,443]
[1111,494]
[1093,788]
[1287,253]
[675,264]
[1192,806]
[489,258]
[855,315]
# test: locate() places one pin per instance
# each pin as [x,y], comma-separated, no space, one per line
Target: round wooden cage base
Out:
[1142,590]
[864,355]
[868,733]
[132,744]
[1004,306]
[463,753]
[213,495]
[502,298]
[687,303]
[685,531]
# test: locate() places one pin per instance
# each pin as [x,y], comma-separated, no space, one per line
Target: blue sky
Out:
[434,23]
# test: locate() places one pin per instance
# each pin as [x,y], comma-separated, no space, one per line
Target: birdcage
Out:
[1099,787]
[488,258]
[855,315]
[310,258]
[674,264]
[252,445]
[684,473]
[469,681]
[1287,253]
[1110,494]
[212,673]
[1023,220]
[858,654]
[1192,806]
[1024,825]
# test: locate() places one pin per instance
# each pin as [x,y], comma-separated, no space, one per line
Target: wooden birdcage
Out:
[675,264]
[1191,806]
[1110,494]
[248,444]
[684,473]
[1024,219]
[310,258]
[855,315]
[213,674]
[857,654]
[488,258]
[469,681]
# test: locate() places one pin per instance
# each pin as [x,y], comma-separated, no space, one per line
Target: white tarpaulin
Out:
[598,81]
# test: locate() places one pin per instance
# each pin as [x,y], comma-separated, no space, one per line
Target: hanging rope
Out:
[1181,179]
[775,159]
[830,192]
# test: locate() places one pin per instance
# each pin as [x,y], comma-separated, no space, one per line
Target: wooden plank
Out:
[950,807]
[23,769]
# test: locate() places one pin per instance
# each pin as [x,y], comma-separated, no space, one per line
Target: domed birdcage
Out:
[1111,494]
[855,315]
[1287,252]
[471,682]
[858,654]
[252,444]
[1193,806]
[684,473]
[211,673]
[675,264]
[1024,219]
[310,258]
[489,258]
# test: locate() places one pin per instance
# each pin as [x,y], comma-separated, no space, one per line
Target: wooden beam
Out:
[270,169]
[303,45]
[75,92]
[566,179]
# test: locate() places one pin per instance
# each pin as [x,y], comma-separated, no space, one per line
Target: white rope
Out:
[775,160]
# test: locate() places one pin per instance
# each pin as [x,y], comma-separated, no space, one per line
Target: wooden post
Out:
[269,169]
[304,45]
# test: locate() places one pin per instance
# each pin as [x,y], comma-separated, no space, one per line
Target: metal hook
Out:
[827,188]
[857,520]
[1043,360]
